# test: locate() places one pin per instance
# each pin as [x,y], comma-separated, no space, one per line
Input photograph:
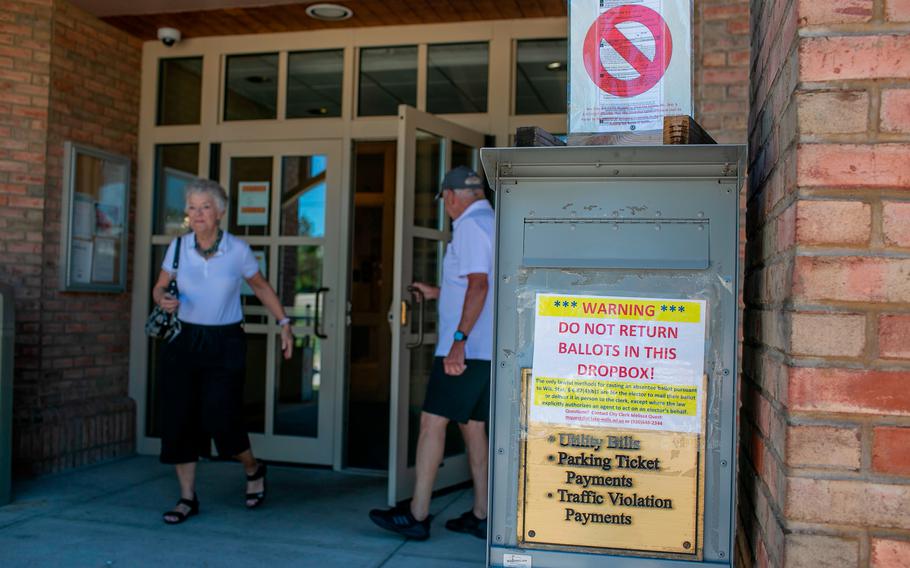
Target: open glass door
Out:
[427,147]
[284,202]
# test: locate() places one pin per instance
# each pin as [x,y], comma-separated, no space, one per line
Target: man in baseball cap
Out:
[459,385]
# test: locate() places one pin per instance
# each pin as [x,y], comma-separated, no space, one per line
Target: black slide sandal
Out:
[180,516]
[257,498]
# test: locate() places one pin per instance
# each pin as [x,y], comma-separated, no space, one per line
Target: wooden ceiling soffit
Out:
[292,17]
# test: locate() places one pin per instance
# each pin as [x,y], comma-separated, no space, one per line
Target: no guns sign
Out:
[631,64]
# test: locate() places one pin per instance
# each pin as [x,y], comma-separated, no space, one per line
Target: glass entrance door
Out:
[284,201]
[427,147]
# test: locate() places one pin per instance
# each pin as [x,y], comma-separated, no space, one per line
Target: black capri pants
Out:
[200,381]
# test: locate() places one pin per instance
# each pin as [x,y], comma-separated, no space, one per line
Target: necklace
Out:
[211,250]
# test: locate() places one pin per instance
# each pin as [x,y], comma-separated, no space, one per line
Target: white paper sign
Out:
[103,261]
[81,261]
[253,203]
[83,216]
[618,362]
[630,64]
[516,561]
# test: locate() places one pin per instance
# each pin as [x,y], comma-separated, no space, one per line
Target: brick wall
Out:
[722,68]
[70,77]
[25,50]
[826,409]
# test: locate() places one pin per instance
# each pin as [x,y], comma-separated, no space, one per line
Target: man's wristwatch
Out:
[284,321]
[460,335]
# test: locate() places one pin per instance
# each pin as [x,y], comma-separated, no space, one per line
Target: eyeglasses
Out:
[440,192]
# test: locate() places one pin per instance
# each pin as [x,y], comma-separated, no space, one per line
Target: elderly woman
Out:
[201,372]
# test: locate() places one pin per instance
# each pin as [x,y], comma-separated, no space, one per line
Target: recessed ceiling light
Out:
[555,66]
[329,12]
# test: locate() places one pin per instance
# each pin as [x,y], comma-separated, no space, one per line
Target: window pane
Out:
[314,83]
[457,77]
[540,84]
[388,78]
[255,313]
[427,177]
[299,277]
[297,389]
[303,196]
[251,87]
[426,267]
[463,155]
[254,386]
[179,90]
[175,166]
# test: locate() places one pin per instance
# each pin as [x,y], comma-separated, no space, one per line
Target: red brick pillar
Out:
[826,389]
[64,76]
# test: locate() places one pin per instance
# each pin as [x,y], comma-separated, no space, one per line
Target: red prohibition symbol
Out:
[650,71]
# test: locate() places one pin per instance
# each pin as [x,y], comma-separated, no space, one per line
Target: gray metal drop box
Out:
[613,412]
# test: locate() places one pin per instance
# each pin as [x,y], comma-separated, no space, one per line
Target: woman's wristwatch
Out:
[284,321]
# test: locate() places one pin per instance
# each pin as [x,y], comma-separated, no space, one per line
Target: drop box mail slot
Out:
[670,244]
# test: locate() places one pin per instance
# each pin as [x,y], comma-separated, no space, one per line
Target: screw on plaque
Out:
[552,438]
[532,534]
[687,545]
[551,458]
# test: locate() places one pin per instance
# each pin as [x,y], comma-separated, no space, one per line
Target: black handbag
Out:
[160,324]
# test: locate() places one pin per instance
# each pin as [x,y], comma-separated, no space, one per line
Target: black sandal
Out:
[257,498]
[180,516]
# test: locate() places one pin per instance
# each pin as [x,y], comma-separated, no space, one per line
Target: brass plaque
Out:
[629,490]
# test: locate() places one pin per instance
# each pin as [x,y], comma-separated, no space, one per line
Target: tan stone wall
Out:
[826,415]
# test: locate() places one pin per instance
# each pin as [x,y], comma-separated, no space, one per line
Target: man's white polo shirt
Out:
[210,289]
[470,252]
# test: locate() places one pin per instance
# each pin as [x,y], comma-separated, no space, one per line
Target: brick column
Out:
[722,68]
[826,389]
[64,75]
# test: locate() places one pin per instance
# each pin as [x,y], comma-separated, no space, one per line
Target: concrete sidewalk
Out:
[110,515]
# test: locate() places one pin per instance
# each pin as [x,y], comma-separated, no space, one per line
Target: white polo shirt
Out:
[210,289]
[470,252]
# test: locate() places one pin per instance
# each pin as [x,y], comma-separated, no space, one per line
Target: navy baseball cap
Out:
[461,177]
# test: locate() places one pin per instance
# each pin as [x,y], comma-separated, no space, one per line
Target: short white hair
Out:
[207,187]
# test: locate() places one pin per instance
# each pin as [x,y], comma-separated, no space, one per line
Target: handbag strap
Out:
[177,255]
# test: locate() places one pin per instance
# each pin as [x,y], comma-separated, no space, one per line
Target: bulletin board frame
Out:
[94,220]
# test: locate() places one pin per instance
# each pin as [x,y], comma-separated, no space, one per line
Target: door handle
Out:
[316,313]
[422,302]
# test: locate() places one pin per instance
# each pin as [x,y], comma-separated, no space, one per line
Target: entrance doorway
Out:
[369,338]
[427,148]
[399,234]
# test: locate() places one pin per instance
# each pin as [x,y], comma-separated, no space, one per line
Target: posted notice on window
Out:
[253,203]
[619,362]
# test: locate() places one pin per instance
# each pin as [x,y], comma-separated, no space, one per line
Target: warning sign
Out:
[623,362]
[630,64]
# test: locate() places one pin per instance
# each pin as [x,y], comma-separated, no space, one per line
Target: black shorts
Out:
[459,398]
[200,381]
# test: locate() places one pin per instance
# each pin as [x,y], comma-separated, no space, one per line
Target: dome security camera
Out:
[169,36]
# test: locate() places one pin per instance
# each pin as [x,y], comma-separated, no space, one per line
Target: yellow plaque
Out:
[627,490]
